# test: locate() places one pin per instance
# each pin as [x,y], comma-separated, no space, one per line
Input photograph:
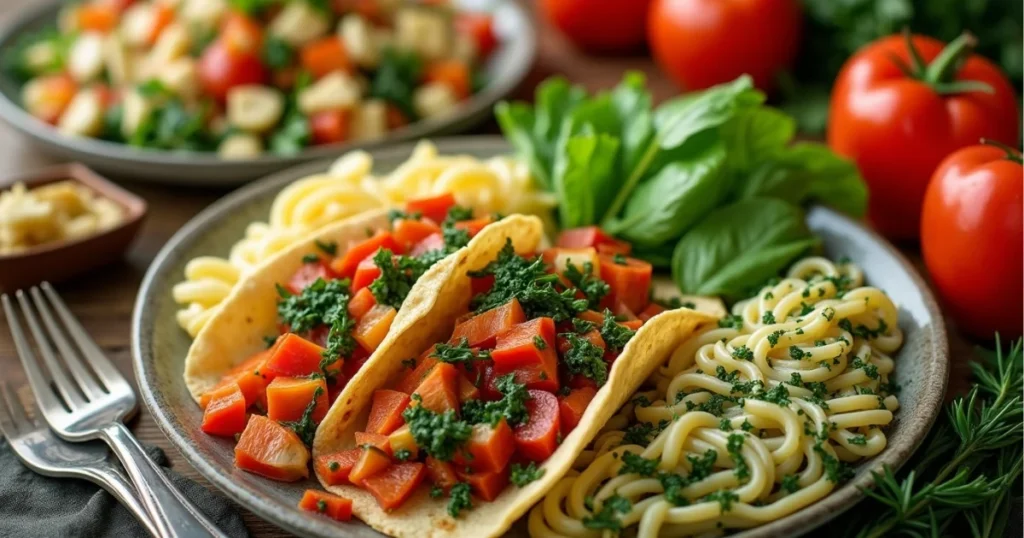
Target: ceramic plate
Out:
[505,69]
[159,347]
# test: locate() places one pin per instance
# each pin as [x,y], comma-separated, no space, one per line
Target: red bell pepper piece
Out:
[537,438]
[250,376]
[361,303]
[225,414]
[328,504]
[372,460]
[269,449]
[288,397]
[431,242]
[366,272]
[441,473]
[652,310]
[308,274]
[572,407]
[394,485]
[409,232]
[434,208]
[335,468]
[483,329]
[386,411]
[629,283]
[526,344]
[467,390]
[293,356]
[488,485]
[439,391]
[374,326]
[592,236]
[488,448]
[474,226]
[345,265]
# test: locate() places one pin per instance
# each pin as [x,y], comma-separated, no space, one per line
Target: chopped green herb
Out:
[585,358]
[305,427]
[539,343]
[735,446]
[724,497]
[857,440]
[458,499]
[614,334]
[459,353]
[511,406]
[521,476]
[731,322]
[436,492]
[270,341]
[409,364]
[637,464]
[403,454]
[773,338]
[619,259]
[790,483]
[440,435]
[310,258]
[330,248]
[768,318]
[608,518]
[593,288]
[744,353]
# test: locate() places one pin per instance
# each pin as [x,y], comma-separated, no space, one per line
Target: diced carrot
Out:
[335,468]
[591,316]
[633,324]
[537,438]
[482,330]
[324,56]
[525,344]
[411,379]
[371,330]
[439,391]
[434,208]
[288,397]
[429,243]
[452,73]
[361,303]
[395,484]
[225,414]
[376,440]
[249,376]
[488,448]
[467,390]
[240,34]
[328,504]
[345,265]
[480,28]
[402,439]
[163,16]
[487,486]
[366,272]
[372,460]
[474,226]
[629,283]
[269,449]
[97,17]
[572,406]
[442,473]
[308,274]
[386,411]
[293,356]
[593,336]
[409,232]
[652,310]
[592,236]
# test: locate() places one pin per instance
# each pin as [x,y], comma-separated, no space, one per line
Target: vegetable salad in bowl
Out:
[245,77]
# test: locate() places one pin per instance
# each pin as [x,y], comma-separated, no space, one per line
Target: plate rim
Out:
[800,522]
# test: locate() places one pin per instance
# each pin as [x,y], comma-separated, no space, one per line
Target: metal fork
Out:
[84,397]
[43,452]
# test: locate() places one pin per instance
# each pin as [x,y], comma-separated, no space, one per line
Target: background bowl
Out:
[505,69]
[159,347]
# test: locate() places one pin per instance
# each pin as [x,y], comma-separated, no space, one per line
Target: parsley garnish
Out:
[395,214]
[637,464]
[521,476]
[768,318]
[305,427]
[790,483]
[321,303]
[724,497]
[593,288]
[330,248]
[511,407]
[398,274]
[458,499]
[311,258]
[585,358]
[619,259]
[459,353]
[608,517]
[615,336]
[734,446]
[731,322]
[539,343]
[859,440]
[436,492]
[403,454]
[270,341]
[743,352]
[438,434]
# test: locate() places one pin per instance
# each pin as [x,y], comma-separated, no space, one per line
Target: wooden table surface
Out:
[103,299]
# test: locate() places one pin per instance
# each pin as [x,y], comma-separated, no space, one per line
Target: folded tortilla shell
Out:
[431,319]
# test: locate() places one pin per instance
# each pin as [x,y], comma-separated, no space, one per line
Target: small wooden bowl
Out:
[61,260]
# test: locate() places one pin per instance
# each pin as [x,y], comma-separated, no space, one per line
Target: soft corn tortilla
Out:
[430,312]
[249,313]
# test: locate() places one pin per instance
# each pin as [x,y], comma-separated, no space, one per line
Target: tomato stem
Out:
[944,67]
[941,72]
[1012,154]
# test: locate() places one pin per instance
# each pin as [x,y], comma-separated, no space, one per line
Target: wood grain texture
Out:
[103,299]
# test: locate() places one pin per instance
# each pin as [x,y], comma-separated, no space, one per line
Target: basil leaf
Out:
[739,246]
[632,103]
[584,167]
[756,134]
[680,194]
[679,119]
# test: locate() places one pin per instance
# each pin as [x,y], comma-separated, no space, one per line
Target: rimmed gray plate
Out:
[505,69]
[159,348]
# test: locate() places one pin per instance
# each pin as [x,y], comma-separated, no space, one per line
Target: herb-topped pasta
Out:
[748,421]
[349,187]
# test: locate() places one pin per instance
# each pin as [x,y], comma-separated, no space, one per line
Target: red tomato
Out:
[220,70]
[972,236]
[599,25]
[329,126]
[897,128]
[701,43]
[480,27]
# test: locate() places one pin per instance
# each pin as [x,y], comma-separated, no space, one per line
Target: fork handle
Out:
[173,514]
[117,484]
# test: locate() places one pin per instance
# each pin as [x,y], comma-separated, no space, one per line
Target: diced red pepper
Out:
[592,236]
[480,27]
[478,285]
[487,486]
[308,274]
[355,362]
[474,226]
[526,344]
[386,411]
[376,440]
[482,330]
[622,311]
[467,390]
[652,310]
[592,316]
[269,449]
[488,448]
[629,283]
[572,407]
[346,264]
[371,330]
[250,376]
[441,473]
[288,397]
[431,242]
[633,324]
[488,389]
[439,391]
[434,208]
[335,468]
[392,486]
[330,505]
[225,414]
[372,460]
[293,356]
[366,272]
[593,336]
[361,303]
[409,232]
[537,438]
[580,381]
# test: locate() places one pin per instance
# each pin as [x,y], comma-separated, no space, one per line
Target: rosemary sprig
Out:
[967,469]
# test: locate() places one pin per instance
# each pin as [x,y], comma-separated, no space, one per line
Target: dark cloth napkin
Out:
[33,505]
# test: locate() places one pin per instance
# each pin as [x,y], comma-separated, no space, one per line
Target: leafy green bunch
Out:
[709,183]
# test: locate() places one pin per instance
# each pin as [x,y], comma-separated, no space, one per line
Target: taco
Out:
[511,363]
[295,330]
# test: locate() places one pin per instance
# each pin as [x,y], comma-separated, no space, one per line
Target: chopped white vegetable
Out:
[370,120]
[358,37]
[299,23]
[85,61]
[122,63]
[84,115]
[173,43]
[40,56]
[135,108]
[181,77]
[137,23]
[254,108]
[240,146]
[205,14]
[422,30]
[336,90]
[433,99]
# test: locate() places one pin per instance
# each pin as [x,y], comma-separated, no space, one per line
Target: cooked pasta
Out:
[746,422]
[498,184]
